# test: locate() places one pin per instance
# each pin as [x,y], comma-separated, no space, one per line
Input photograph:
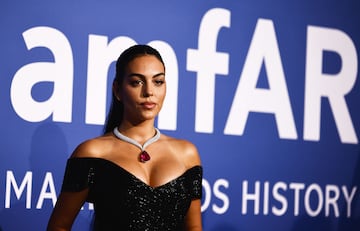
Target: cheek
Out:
[162,95]
[128,99]
[130,94]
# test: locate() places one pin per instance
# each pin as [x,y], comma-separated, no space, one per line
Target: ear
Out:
[116,89]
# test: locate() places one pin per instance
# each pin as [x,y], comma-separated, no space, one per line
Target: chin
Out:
[149,115]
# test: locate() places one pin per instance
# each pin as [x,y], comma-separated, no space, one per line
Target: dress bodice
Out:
[124,202]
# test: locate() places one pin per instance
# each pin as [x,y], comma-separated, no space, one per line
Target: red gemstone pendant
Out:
[144,156]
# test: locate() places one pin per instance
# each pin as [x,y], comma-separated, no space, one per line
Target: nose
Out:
[147,90]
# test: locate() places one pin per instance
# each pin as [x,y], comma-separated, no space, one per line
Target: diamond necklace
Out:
[143,156]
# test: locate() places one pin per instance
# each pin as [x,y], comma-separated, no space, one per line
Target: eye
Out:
[136,82]
[159,82]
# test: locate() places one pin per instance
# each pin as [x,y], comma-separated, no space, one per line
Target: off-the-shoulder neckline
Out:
[134,176]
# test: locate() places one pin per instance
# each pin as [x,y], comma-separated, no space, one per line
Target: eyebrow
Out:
[143,76]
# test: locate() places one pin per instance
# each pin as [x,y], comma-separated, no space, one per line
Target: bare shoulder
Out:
[96,147]
[184,148]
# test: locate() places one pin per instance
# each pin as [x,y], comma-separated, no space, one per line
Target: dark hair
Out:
[115,114]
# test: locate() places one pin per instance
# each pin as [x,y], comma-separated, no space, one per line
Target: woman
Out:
[137,178]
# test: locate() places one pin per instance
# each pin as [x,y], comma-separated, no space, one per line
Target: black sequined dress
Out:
[123,202]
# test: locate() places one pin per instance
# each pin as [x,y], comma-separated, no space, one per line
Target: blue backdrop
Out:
[267,90]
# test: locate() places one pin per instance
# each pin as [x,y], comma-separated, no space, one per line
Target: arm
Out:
[193,217]
[66,209]
[193,221]
[70,202]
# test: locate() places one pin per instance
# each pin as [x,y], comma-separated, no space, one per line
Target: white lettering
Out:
[263,48]
[207,189]
[246,196]
[348,198]
[11,183]
[332,200]
[280,198]
[266,198]
[279,195]
[215,192]
[317,189]
[101,55]
[207,63]
[334,87]
[59,72]
[222,196]
[48,183]
[297,187]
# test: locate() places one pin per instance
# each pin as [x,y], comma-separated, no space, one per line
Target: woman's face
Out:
[143,89]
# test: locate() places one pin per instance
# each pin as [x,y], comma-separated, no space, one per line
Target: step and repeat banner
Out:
[268,91]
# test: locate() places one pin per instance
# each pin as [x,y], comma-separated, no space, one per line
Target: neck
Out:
[144,155]
[140,133]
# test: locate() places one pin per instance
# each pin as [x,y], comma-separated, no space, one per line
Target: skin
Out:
[142,93]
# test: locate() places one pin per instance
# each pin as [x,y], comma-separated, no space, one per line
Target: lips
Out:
[148,105]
